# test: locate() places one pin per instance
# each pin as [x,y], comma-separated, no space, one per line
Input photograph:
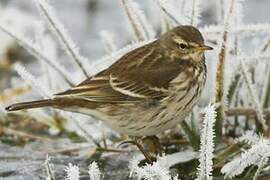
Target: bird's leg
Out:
[141,148]
[153,145]
[137,143]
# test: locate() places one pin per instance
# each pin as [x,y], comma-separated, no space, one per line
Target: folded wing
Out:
[140,74]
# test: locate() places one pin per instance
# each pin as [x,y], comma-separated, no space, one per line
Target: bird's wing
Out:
[141,74]
[110,89]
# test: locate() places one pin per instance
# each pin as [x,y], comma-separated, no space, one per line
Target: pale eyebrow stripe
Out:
[179,40]
[193,44]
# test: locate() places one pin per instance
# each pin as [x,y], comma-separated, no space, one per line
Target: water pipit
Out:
[147,91]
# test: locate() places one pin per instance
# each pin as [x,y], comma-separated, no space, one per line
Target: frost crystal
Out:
[249,137]
[207,144]
[157,171]
[253,156]
[94,171]
[73,172]
[31,80]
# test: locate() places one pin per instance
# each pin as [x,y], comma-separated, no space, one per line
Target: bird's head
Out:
[184,42]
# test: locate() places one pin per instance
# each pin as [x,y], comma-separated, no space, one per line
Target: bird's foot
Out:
[139,145]
[152,144]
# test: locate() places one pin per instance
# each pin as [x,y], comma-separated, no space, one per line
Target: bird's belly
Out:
[142,119]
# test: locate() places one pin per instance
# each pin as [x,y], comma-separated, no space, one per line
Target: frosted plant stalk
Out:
[88,136]
[62,35]
[253,156]
[255,56]
[223,53]
[49,169]
[207,145]
[250,137]
[31,80]
[220,75]
[150,32]
[169,11]
[239,14]
[261,164]
[266,90]
[193,11]
[35,51]
[108,41]
[141,28]
[220,7]
[253,94]
[73,172]
[243,30]
[253,29]
[94,172]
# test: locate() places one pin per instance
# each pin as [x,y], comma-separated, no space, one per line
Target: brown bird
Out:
[146,91]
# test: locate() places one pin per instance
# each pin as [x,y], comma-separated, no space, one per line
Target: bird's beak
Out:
[203,47]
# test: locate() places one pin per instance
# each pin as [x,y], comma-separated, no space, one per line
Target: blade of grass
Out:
[220,95]
[193,136]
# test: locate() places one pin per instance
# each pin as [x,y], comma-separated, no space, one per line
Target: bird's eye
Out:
[182,46]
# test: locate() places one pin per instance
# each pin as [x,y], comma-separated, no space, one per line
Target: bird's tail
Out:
[31,105]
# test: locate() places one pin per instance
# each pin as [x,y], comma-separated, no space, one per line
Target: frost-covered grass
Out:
[229,145]
[207,144]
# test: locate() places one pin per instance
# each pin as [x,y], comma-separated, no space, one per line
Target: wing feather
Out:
[115,90]
[127,80]
[136,89]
